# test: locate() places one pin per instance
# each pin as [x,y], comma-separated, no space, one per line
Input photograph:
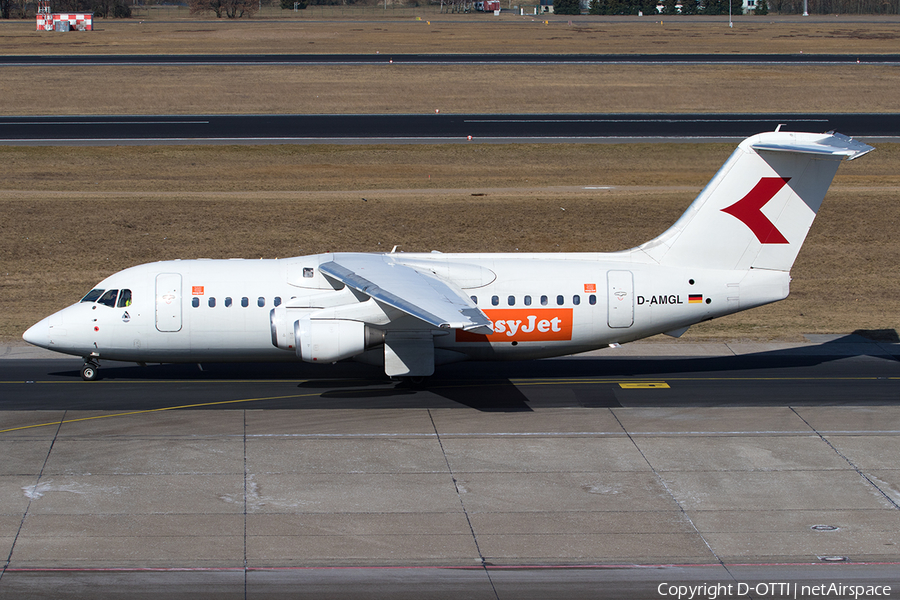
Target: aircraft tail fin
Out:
[757,210]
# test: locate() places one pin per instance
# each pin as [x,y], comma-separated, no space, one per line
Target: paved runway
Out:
[838,371]
[600,476]
[143,129]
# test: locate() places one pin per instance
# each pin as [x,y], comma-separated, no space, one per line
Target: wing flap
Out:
[415,291]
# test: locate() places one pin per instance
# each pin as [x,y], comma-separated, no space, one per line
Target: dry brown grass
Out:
[69,171]
[373,33]
[70,226]
[452,89]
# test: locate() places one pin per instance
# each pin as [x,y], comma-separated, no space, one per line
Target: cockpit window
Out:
[108,298]
[124,299]
[92,296]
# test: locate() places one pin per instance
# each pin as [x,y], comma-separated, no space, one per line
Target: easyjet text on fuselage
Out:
[524,325]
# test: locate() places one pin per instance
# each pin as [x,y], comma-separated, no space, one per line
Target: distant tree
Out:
[762,8]
[101,8]
[720,7]
[631,7]
[567,7]
[240,8]
[5,8]
[289,4]
[469,4]
[73,5]
[233,9]
[20,10]
[670,7]
[122,10]
[198,6]
[615,7]
[690,7]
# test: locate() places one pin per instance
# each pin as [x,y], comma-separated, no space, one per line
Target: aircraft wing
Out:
[415,291]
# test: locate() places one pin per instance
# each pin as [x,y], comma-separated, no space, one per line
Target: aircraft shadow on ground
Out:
[491,386]
[349,374]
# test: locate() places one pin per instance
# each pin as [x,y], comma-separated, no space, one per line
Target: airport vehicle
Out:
[731,250]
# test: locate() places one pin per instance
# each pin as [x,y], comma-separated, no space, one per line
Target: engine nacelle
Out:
[282,326]
[331,340]
[321,340]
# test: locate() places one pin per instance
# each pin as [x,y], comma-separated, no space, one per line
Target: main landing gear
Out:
[416,382]
[91,370]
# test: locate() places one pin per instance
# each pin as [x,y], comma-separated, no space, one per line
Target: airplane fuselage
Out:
[541,305]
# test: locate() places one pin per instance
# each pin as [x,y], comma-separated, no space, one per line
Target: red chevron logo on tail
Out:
[748,210]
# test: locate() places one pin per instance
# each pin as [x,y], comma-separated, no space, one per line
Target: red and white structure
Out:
[47,21]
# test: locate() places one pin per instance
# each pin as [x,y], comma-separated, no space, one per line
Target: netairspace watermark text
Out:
[711,591]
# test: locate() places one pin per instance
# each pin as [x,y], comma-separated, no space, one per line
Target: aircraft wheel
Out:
[90,372]
[416,382]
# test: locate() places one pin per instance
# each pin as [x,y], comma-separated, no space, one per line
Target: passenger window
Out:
[124,299]
[109,298]
[277,301]
[560,300]
[195,302]
[527,300]
[227,301]
[245,302]
[576,299]
[260,302]
[544,301]
[474,299]
[92,296]
[511,300]
[212,302]
[495,300]
[592,299]
[308,272]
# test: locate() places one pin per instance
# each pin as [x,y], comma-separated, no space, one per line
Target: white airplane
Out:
[731,250]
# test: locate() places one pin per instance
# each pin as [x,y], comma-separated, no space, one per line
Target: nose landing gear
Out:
[91,370]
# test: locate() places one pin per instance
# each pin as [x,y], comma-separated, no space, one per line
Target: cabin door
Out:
[620,299]
[168,302]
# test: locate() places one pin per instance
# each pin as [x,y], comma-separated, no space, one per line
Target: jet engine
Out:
[329,340]
[282,326]
[322,340]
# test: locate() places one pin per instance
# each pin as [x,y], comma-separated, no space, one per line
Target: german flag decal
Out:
[695,298]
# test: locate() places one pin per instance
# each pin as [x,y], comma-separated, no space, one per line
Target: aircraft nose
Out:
[38,334]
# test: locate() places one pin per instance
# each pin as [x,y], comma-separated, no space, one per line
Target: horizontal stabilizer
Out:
[835,145]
